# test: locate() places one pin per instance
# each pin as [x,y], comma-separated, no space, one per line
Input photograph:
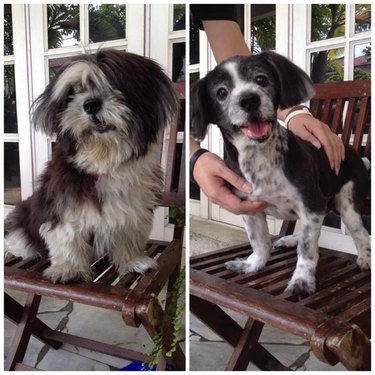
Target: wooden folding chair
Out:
[134,296]
[336,319]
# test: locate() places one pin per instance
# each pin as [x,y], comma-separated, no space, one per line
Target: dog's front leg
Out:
[303,278]
[69,253]
[127,251]
[260,240]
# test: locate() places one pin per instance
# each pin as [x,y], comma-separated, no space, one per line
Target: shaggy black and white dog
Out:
[99,191]
[241,96]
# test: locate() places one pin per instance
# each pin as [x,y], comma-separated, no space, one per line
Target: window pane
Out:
[194,77]
[362,61]
[195,192]
[263,27]
[178,17]
[54,65]
[8,32]
[178,62]
[107,22]
[12,185]
[63,25]
[362,18]
[194,44]
[327,21]
[327,66]
[10,109]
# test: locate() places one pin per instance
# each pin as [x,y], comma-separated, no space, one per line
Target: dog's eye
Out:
[222,93]
[262,80]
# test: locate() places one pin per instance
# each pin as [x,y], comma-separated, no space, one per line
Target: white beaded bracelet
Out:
[302,111]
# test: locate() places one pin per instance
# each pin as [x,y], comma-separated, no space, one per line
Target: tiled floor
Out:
[208,352]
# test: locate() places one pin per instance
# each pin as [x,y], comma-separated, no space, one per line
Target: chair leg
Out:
[24,330]
[215,318]
[221,323]
[13,310]
[241,355]
[151,315]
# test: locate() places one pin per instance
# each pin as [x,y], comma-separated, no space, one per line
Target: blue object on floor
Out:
[137,366]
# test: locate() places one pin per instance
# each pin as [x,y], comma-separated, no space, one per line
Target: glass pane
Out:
[194,77]
[327,66]
[195,192]
[12,181]
[54,65]
[107,22]
[327,21]
[178,62]
[362,18]
[178,17]
[10,109]
[194,44]
[263,27]
[63,25]
[362,61]
[8,32]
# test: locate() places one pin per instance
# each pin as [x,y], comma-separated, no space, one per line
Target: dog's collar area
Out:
[95,176]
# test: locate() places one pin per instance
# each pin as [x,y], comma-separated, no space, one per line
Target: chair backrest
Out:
[173,195]
[174,186]
[345,107]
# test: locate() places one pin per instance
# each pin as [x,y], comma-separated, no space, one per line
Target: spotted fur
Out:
[241,96]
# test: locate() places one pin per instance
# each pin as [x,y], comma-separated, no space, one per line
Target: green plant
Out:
[177,214]
[173,322]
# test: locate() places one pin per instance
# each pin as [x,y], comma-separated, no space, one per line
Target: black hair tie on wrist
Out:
[193,160]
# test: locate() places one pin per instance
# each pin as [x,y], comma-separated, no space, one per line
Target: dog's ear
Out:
[201,113]
[46,109]
[148,92]
[295,86]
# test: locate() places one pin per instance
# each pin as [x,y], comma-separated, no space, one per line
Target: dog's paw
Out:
[65,274]
[140,264]
[300,285]
[251,264]
[364,262]
[286,241]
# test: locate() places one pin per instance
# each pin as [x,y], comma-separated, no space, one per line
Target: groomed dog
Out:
[241,96]
[99,191]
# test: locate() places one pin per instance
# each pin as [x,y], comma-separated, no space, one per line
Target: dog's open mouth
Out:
[258,130]
[102,127]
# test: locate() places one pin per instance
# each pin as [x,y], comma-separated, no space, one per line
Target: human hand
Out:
[319,134]
[211,174]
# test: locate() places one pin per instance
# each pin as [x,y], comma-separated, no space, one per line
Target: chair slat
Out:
[360,124]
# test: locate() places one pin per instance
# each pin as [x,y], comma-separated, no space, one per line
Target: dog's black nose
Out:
[250,101]
[92,106]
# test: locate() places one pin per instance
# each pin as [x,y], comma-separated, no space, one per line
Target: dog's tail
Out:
[367,163]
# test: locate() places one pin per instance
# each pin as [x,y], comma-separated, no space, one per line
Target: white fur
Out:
[16,244]
[122,227]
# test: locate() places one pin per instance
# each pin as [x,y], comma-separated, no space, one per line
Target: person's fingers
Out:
[232,203]
[331,143]
[237,181]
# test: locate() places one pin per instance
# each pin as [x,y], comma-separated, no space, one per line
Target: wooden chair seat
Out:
[336,319]
[134,296]
[333,320]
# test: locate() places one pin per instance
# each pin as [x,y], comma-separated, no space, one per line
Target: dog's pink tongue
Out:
[257,130]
